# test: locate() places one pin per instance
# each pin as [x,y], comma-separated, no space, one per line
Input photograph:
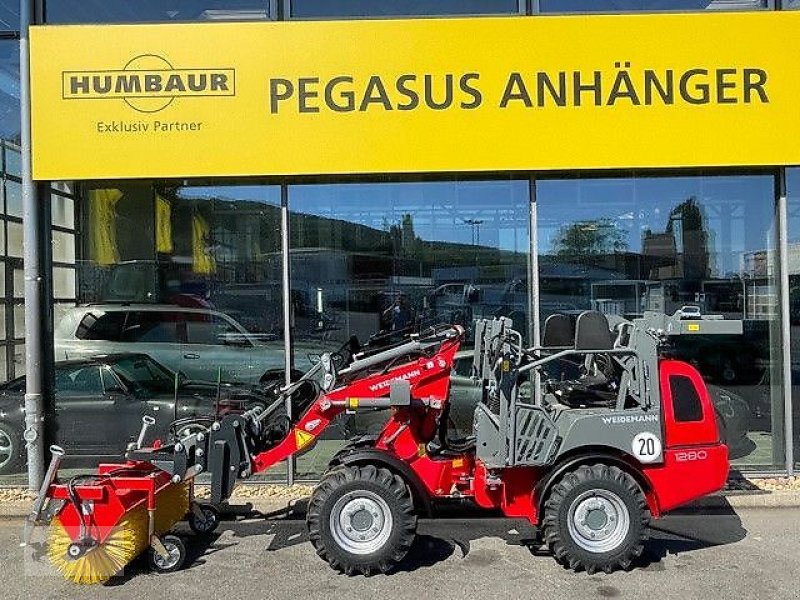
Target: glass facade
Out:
[380,260]
[311,9]
[124,11]
[608,6]
[626,245]
[188,275]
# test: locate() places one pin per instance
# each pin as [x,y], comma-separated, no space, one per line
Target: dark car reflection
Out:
[100,403]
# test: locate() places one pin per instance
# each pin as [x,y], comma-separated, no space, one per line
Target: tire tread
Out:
[554,537]
[394,485]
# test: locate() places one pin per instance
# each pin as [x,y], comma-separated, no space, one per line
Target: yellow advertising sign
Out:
[405,96]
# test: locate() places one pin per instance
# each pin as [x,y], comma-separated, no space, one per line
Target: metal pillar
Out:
[287,312]
[36,235]
[786,351]
[534,326]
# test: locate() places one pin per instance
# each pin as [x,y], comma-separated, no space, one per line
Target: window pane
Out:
[19,321]
[9,15]
[14,239]
[63,211]
[3,365]
[154,327]
[566,6]
[19,283]
[17,360]
[13,198]
[66,187]
[384,8]
[124,11]
[63,283]
[792,4]
[84,380]
[685,401]
[9,91]
[13,159]
[101,326]
[63,247]
[381,260]
[623,246]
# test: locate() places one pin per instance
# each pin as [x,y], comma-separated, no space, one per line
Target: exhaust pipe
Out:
[57,453]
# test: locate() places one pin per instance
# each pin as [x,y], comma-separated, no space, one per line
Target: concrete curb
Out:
[726,500]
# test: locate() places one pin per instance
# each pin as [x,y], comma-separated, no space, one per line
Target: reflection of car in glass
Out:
[196,341]
[100,403]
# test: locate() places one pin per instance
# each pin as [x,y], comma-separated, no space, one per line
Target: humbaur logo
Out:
[148,83]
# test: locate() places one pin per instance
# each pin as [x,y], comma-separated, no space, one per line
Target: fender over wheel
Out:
[361,519]
[596,518]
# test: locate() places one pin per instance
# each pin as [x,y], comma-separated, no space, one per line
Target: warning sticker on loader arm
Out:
[302,438]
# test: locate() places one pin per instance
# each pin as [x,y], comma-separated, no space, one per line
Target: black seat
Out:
[596,385]
[592,332]
[558,332]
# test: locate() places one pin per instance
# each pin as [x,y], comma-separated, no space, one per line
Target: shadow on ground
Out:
[456,527]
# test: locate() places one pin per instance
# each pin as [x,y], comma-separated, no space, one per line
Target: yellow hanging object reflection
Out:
[126,541]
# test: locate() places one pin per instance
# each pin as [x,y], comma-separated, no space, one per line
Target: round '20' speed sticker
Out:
[646,447]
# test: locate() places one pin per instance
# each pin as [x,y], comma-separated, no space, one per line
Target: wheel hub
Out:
[598,521]
[174,555]
[361,522]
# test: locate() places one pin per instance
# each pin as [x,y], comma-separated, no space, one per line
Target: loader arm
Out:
[239,446]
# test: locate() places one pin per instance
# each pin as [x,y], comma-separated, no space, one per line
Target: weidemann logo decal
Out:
[148,83]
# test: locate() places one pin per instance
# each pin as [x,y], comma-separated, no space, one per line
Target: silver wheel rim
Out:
[6,449]
[174,556]
[361,522]
[598,521]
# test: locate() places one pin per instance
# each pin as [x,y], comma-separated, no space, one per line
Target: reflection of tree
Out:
[404,239]
[593,237]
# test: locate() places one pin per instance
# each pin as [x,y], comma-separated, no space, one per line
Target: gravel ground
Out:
[299,491]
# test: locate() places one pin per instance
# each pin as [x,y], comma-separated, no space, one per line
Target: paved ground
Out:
[720,554]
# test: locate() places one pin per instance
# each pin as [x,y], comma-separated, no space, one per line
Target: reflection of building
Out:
[682,250]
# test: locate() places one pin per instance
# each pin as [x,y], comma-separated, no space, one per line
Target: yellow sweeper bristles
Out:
[126,541]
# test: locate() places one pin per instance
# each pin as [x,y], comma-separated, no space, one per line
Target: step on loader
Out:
[611,432]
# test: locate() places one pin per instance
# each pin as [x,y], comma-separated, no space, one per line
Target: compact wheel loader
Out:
[611,433]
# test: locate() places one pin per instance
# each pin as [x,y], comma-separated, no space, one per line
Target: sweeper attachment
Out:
[587,436]
[111,518]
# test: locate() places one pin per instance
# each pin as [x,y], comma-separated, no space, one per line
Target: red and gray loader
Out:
[610,432]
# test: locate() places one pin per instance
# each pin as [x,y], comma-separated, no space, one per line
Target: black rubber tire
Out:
[211,523]
[16,460]
[168,541]
[391,488]
[556,513]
